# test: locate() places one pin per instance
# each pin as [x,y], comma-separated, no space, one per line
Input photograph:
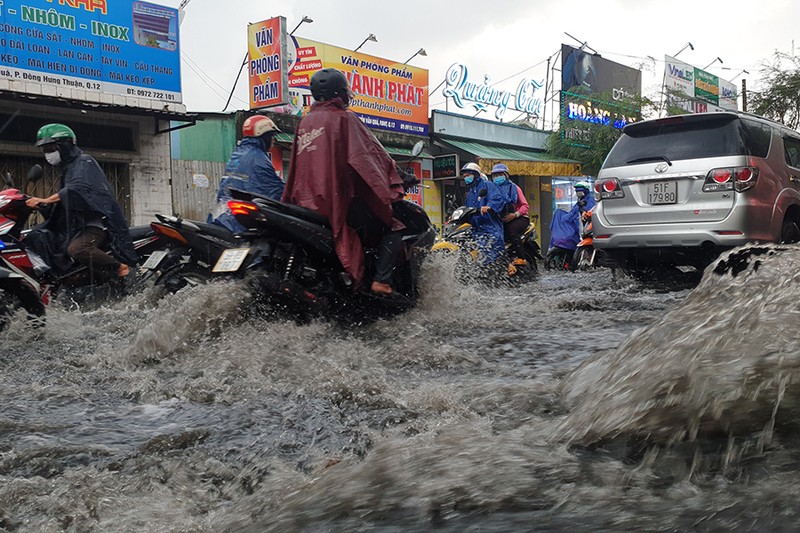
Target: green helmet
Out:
[581,185]
[53,133]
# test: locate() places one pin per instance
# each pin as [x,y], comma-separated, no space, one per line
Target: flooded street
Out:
[577,401]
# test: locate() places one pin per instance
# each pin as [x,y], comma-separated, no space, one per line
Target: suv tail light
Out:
[608,188]
[726,179]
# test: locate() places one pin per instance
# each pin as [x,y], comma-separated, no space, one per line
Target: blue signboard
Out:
[86,48]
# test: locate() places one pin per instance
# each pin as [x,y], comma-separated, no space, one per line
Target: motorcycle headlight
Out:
[458,213]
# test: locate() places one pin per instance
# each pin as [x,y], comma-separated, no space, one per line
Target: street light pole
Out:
[687,45]
[420,52]
[370,37]
[305,19]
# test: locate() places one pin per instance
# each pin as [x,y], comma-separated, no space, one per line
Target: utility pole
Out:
[744,95]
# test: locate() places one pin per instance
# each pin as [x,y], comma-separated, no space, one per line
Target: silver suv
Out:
[678,190]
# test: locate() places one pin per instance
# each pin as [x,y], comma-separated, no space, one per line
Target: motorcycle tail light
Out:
[238,207]
[168,232]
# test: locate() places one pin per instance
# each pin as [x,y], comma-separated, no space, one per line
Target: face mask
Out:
[499,180]
[54,158]
[580,194]
[469,179]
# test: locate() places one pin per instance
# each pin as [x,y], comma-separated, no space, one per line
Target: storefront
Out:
[457,140]
[132,146]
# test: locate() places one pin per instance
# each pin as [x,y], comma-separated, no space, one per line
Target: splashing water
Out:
[568,402]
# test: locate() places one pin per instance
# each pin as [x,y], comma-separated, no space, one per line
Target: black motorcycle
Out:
[292,261]
[192,250]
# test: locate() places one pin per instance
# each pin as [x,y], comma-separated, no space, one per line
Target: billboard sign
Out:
[267,63]
[585,73]
[387,95]
[125,52]
[697,91]
[465,92]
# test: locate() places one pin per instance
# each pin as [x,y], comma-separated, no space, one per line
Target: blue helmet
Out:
[498,168]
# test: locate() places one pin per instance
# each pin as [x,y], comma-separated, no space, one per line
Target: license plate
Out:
[231,260]
[662,192]
[154,260]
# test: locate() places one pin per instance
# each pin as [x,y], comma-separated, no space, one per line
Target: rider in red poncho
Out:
[340,170]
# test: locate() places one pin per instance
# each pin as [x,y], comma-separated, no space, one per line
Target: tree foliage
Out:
[778,93]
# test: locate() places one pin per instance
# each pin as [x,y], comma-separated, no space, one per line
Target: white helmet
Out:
[471,167]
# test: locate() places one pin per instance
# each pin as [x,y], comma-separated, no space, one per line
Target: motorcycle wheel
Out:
[15,296]
[582,259]
[181,276]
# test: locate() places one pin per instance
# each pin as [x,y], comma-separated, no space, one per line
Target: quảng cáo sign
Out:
[89,49]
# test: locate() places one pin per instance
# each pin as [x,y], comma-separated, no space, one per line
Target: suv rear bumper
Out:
[693,235]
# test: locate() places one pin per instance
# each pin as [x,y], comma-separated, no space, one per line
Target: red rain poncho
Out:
[336,159]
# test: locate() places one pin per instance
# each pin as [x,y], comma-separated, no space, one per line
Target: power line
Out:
[205,78]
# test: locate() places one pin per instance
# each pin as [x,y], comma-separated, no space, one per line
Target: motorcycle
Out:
[25,278]
[564,237]
[586,256]
[192,248]
[457,236]
[291,258]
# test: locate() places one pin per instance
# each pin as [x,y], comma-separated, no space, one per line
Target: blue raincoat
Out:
[510,194]
[565,229]
[249,169]
[488,228]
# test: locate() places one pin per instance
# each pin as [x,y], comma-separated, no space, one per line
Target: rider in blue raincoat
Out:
[249,169]
[487,227]
[565,229]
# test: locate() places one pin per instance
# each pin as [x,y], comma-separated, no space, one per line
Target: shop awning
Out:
[284,138]
[520,162]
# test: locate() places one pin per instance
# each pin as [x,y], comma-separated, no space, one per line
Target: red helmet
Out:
[258,125]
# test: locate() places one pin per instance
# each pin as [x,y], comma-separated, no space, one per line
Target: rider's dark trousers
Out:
[513,234]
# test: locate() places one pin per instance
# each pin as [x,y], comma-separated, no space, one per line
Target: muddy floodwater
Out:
[578,402]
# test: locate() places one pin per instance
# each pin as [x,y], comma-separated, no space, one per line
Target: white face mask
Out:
[54,158]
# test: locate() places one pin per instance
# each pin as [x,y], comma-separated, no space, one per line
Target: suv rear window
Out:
[693,137]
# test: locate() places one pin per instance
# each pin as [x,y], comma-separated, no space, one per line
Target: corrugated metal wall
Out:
[188,199]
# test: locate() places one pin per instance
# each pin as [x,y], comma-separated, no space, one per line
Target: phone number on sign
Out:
[145,93]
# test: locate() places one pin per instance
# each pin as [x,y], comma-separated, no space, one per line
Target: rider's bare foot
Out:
[381,288]
[123,270]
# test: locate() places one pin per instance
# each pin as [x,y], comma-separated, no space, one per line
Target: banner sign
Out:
[585,73]
[85,49]
[695,90]
[267,64]
[386,95]
[465,92]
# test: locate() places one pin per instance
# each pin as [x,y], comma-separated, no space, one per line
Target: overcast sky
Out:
[496,37]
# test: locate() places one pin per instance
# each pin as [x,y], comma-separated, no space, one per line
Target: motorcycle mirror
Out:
[8,180]
[35,173]
[417,149]
[482,193]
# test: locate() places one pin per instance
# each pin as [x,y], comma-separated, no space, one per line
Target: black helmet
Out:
[329,83]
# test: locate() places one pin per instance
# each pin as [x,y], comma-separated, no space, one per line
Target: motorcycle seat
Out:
[297,211]
[215,231]
[140,232]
